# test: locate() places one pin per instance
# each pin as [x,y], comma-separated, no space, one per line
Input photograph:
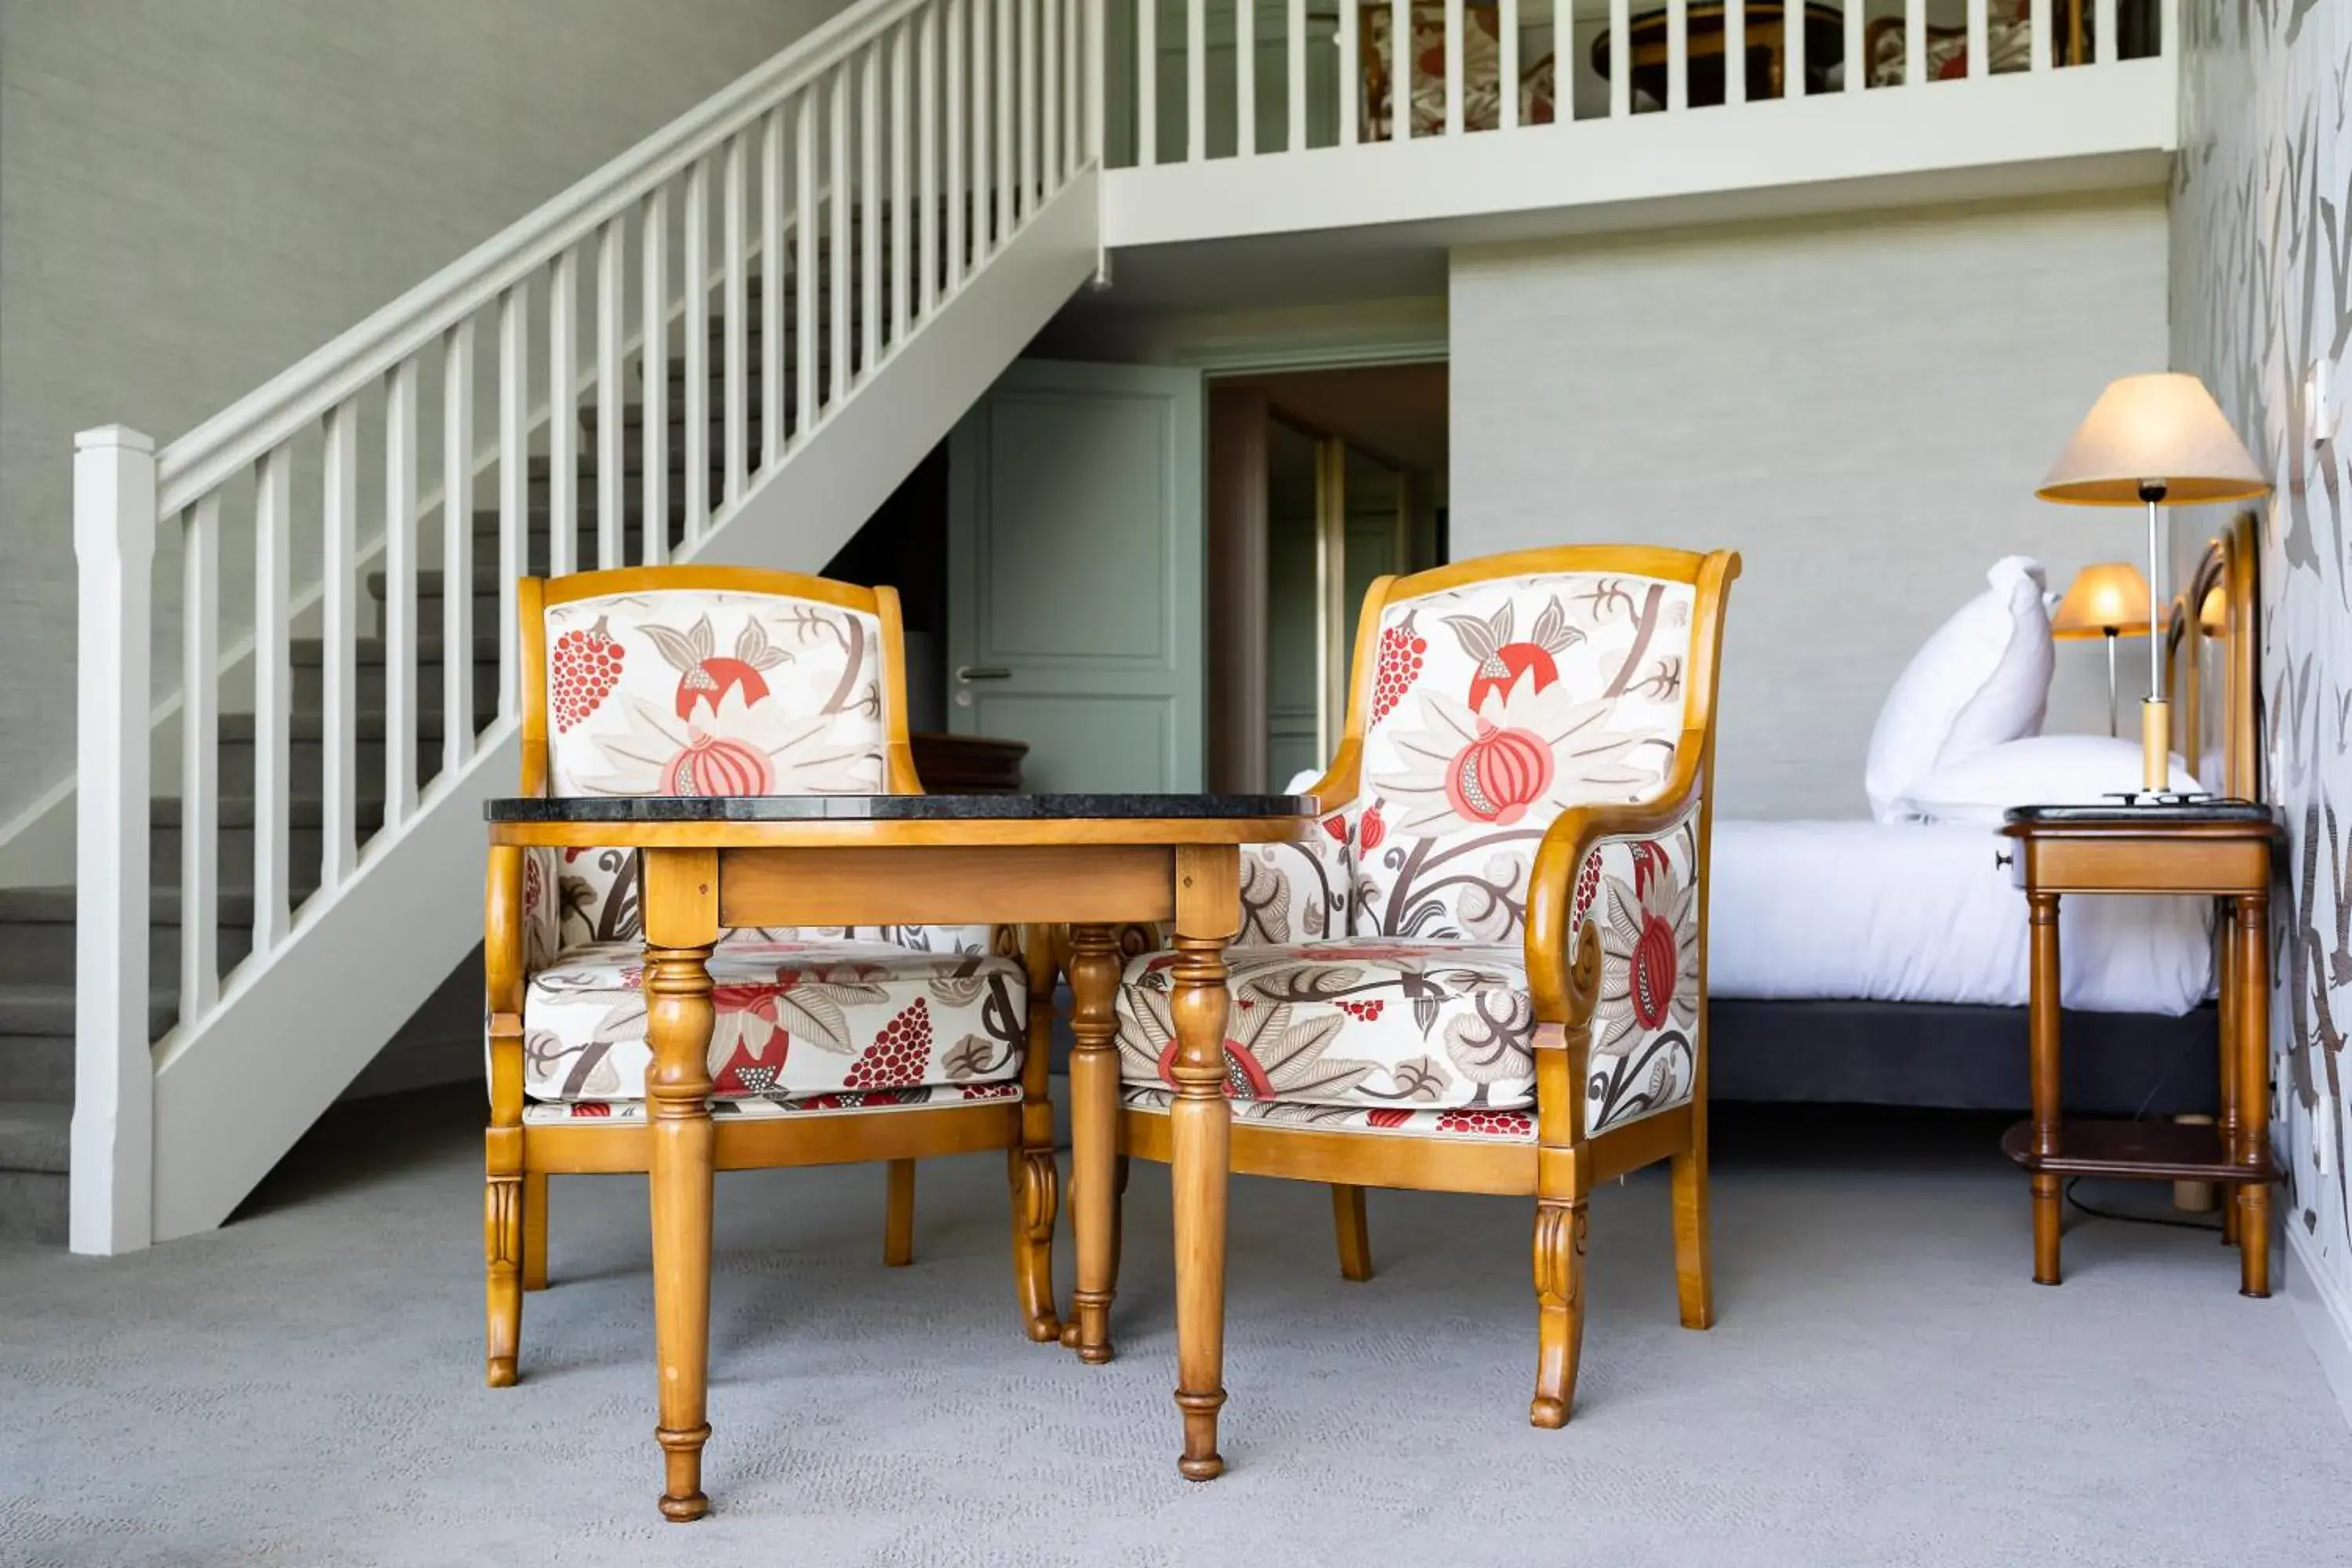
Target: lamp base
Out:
[2155,743]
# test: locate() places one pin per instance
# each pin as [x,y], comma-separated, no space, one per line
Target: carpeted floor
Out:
[1885,1385]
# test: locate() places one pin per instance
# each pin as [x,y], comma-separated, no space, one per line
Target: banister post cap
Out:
[113,435]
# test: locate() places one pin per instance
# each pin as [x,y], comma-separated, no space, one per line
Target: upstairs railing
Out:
[1242,79]
[815,214]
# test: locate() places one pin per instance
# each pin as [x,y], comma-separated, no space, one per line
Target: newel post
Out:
[113,1148]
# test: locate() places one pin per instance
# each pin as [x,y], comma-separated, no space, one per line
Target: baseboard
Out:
[2324,1312]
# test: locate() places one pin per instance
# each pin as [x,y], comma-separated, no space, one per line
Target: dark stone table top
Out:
[896,807]
[2163,811]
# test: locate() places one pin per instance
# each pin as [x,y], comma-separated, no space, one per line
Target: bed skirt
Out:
[1962,1058]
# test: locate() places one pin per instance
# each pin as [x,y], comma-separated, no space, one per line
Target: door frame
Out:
[1236,533]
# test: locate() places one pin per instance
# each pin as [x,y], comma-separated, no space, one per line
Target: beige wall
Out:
[194,194]
[1862,407]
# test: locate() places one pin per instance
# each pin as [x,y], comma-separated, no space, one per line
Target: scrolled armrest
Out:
[1564,967]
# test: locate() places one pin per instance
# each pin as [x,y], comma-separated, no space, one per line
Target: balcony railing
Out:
[1617,94]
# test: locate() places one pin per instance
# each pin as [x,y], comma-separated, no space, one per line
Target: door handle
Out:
[970,672]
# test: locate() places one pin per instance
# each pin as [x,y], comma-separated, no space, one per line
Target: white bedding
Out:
[1920,913]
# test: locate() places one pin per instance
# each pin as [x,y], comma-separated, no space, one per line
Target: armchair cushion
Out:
[1643,895]
[632,1112]
[1361,1022]
[1494,706]
[1469,1122]
[795,1019]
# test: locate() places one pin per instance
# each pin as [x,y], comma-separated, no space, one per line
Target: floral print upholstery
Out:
[697,692]
[855,1103]
[1380,980]
[1358,1021]
[1470,1124]
[1298,892]
[793,1020]
[1494,706]
[703,692]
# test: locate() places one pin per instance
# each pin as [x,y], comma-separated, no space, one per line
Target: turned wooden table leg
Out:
[2043,1046]
[681,920]
[1208,912]
[2252,1007]
[2232,1126]
[1093,969]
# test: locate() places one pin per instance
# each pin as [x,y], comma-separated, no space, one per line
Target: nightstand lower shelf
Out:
[2134,1151]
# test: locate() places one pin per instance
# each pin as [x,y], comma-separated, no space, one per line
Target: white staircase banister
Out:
[112,1148]
[273,413]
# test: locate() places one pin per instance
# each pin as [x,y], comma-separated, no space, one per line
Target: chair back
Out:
[1490,695]
[704,680]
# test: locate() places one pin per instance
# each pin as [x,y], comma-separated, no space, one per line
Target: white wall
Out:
[1862,407]
[194,194]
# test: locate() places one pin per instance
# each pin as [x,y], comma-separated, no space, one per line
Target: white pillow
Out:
[2040,770]
[1982,679]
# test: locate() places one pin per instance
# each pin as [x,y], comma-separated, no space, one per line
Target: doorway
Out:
[1320,482]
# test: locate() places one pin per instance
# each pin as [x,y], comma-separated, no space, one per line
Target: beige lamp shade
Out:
[2213,615]
[2108,599]
[2163,429]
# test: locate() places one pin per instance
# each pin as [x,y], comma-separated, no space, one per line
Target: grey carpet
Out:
[1885,1385]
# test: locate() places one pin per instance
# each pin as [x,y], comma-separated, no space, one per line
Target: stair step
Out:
[47,1008]
[309,729]
[39,1068]
[35,1136]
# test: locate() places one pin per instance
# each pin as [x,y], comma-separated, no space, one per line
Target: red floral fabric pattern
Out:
[1470,1126]
[1354,1022]
[1644,900]
[706,692]
[793,1020]
[1528,696]
[632,1112]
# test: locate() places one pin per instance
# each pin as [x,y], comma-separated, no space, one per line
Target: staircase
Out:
[864,234]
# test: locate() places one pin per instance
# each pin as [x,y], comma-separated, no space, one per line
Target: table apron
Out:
[946,884]
[2157,865]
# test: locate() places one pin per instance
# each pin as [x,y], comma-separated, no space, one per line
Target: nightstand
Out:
[2220,848]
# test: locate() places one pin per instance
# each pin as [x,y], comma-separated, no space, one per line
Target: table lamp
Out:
[2108,599]
[2154,441]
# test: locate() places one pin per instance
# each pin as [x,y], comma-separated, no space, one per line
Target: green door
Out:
[1075,605]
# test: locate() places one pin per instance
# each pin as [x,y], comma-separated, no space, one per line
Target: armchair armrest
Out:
[1567,965]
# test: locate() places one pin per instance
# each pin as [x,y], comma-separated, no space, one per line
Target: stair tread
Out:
[309,728]
[47,1008]
[55,906]
[35,1135]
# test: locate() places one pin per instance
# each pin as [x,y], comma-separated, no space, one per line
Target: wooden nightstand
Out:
[2221,848]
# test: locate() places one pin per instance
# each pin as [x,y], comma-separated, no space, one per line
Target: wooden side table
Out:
[2220,848]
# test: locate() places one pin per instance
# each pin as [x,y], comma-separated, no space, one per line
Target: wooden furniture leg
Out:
[2252,1007]
[2042,1044]
[1208,913]
[502,1253]
[504,1221]
[2230,1127]
[898,1217]
[1563,1183]
[534,1230]
[1035,1179]
[681,920]
[1094,1136]
[1694,1284]
[1355,1233]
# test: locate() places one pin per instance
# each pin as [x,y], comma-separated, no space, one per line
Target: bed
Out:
[1875,963]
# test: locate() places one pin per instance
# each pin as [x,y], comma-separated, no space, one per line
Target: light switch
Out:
[2322,411]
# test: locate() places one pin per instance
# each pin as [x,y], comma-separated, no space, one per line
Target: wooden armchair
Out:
[881,1043]
[1488,973]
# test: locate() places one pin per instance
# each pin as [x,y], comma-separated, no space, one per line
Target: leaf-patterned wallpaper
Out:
[2261,289]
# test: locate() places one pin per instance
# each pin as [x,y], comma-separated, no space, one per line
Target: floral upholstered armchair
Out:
[879,1043]
[1487,971]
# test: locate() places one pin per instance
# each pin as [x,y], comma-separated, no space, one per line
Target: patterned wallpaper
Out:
[2261,282]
